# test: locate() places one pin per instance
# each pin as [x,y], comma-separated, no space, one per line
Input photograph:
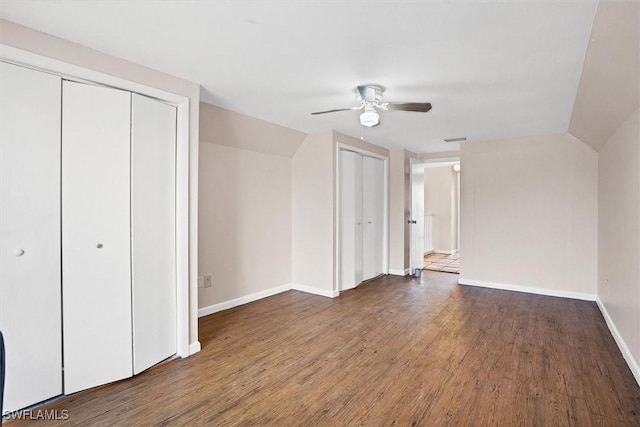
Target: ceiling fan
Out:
[370,99]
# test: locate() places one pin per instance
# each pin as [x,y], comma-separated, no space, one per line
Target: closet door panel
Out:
[30,313]
[373,216]
[96,235]
[350,218]
[357,200]
[153,136]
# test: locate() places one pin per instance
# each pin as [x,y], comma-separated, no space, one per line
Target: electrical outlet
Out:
[207,281]
[201,282]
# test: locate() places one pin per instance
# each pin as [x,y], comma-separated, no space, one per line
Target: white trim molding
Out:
[529,289]
[444,252]
[204,311]
[194,348]
[404,272]
[315,291]
[622,345]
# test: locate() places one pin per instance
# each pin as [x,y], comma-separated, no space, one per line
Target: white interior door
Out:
[30,310]
[96,235]
[350,218]
[372,216]
[153,246]
[417,215]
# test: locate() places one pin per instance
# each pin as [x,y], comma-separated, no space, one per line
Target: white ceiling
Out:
[491,70]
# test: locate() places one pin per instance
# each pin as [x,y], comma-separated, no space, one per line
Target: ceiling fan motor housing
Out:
[372,93]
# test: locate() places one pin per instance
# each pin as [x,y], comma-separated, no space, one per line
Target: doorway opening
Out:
[435,215]
[448,263]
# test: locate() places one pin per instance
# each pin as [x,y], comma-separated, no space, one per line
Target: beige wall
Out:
[456,211]
[313,213]
[397,195]
[529,214]
[314,209]
[267,206]
[245,222]
[245,204]
[619,233]
[19,37]
[226,127]
[605,116]
[439,196]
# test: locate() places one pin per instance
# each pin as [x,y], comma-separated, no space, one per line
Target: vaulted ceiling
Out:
[491,70]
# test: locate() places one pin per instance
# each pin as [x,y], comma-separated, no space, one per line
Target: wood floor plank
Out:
[394,351]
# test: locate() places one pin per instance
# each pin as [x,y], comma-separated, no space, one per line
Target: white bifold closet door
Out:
[350,218]
[153,136]
[96,260]
[30,311]
[372,216]
[118,234]
[360,216]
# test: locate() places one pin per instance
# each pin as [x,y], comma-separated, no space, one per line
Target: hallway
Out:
[442,262]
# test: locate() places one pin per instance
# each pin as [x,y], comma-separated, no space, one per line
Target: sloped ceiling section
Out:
[224,127]
[609,89]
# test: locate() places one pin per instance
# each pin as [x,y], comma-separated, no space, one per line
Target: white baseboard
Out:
[194,347]
[204,311]
[428,252]
[444,252]
[529,289]
[404,272]
[622,345]
[314,290]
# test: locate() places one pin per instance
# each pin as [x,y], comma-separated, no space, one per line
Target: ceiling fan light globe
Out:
[369,118]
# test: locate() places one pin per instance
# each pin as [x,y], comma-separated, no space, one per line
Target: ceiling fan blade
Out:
[367,93]
[337,109]
[419,107]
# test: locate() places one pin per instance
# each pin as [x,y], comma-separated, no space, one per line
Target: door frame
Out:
[184,173]
[414,216]
[428,163]
[385,218]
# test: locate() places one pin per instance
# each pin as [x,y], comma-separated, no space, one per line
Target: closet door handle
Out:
[18,252]
[99,245]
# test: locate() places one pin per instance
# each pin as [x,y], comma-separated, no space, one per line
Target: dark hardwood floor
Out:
[394,351]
